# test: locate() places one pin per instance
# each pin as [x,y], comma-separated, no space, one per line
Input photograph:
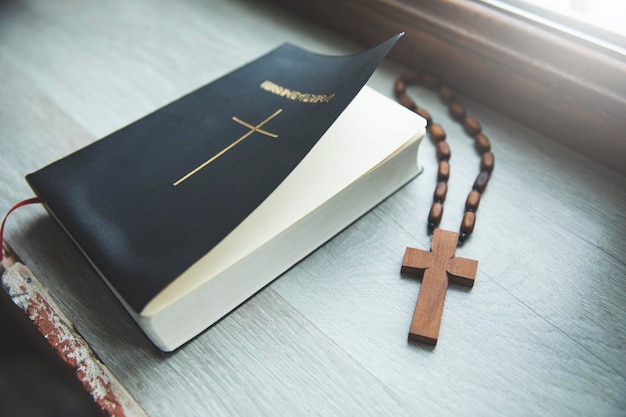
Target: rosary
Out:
[439,265]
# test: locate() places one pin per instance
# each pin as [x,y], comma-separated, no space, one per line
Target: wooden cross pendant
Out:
[436,267]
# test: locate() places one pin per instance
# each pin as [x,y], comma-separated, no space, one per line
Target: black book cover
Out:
[149,200]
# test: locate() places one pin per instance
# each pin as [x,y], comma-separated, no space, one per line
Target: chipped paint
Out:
[28,294]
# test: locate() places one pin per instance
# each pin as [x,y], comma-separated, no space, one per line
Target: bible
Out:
[191,210]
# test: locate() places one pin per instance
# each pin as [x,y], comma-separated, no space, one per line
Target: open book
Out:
[191,210]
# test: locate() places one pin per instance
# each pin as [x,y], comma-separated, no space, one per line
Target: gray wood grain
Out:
[543,331]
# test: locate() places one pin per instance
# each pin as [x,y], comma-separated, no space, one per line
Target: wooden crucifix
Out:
[437,267]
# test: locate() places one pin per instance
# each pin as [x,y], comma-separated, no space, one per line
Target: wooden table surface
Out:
[542,333]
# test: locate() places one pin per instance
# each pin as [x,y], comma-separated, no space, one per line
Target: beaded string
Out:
[471,126]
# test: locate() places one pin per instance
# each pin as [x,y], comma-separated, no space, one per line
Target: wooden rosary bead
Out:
[443,151]
[411,77]
[443,173]
[482,143]
[473,200]
[446,94]
[481,181]
[467,224]
[472,126]
[487,161]
[441,190]
[407,102]
[436,132]
[430,81]
[457,111]
[422,112]
[435,215]
[399,88]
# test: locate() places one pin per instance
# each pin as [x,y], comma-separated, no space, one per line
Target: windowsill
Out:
[569,90]
[544,320]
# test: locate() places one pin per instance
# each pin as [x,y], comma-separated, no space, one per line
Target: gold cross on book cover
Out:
[253,129]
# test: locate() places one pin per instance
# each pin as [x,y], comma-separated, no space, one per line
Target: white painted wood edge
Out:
[34,299]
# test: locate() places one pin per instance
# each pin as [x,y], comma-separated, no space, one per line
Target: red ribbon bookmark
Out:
[33,200]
